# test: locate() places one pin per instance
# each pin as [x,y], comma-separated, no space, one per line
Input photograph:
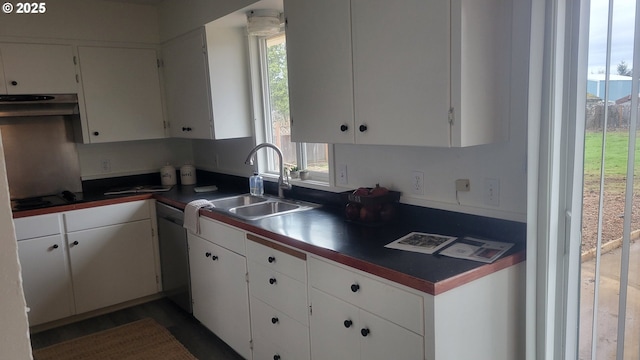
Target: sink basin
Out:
[235,201]
[264,209]
[250,207]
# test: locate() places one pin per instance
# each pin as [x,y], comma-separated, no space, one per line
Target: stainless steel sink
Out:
[249,207]
[235,201]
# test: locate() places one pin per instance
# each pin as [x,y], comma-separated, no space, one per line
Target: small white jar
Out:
[188,175]
[168,175]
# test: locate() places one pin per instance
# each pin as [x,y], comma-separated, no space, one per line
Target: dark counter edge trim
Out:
[392,275]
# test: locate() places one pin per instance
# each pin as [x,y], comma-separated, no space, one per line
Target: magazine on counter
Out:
[421,242]
[476,249]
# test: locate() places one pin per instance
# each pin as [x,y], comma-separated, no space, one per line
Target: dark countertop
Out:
[324,232]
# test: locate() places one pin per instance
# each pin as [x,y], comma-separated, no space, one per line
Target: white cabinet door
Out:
[342,331]
[320,70]
[186,79]
[389,72]
[122,94]
[38,69]
[284,335]
[401,61]
[381,339]
[46,280]
[219,292]
[334,328]
[112,264]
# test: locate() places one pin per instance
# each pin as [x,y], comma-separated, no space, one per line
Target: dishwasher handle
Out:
[174,220]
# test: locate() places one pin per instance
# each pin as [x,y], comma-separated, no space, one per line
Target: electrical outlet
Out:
[105,165]
[463,185]
[492,192]
[417,182]
[341,177]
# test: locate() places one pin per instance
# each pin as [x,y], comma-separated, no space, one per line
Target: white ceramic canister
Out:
[168,175]
[188,175]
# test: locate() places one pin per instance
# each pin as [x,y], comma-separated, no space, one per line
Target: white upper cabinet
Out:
[207,84]
[37,69]
[122,96]
[320,70]
[186,80]
[409,72]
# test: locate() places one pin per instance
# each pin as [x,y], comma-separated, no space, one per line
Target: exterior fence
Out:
[619,115]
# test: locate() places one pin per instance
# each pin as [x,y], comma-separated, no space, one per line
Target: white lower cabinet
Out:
[109,257]
[279,306]
[112,264]
[358,317]
[340,330]
[277,335]
[219,286]
[46,279]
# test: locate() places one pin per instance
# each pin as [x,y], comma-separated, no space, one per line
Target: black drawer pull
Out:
[272,281]
[271,259]
[364,332]
[274,320]
[355,287]
[348,323]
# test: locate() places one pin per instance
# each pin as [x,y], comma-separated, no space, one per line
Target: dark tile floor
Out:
[201,342]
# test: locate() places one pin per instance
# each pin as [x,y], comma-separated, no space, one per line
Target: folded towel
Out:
[192,216]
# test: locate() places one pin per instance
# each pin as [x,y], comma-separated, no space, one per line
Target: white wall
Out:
[86,20]
[132,157]
[225,156]
[178,16]
[14,332]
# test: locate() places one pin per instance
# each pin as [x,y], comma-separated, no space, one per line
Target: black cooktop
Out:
[38,202]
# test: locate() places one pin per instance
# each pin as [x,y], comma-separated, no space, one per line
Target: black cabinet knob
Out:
[14,83]
[348,323]
[271,259]
[214,258]
[276,357]
[355,287]
[95,133]
[364,332]
[274,320]
[75,242]
[207,254]
[186,128]
[272,281]
[344,127]
[362,128]
[55,246]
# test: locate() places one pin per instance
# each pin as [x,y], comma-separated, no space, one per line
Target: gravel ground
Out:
[612,221]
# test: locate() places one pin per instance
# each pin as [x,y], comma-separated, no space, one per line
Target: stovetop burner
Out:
[30,203]
[38,202]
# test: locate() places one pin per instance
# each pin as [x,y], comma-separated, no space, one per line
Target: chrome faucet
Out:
[283,180]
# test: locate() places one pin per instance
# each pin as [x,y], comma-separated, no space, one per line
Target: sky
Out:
[622,34]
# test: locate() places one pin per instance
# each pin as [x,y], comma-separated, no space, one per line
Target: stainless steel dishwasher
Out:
[174,255]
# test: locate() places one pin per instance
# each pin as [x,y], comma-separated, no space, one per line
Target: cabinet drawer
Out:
[277,333]
[37,226]
[278,290]
[277,257]
[226,236]
[387,301]
[106,215]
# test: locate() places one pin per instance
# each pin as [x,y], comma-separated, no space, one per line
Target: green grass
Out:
[615,162]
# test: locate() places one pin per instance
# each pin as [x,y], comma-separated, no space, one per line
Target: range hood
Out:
[38,105]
